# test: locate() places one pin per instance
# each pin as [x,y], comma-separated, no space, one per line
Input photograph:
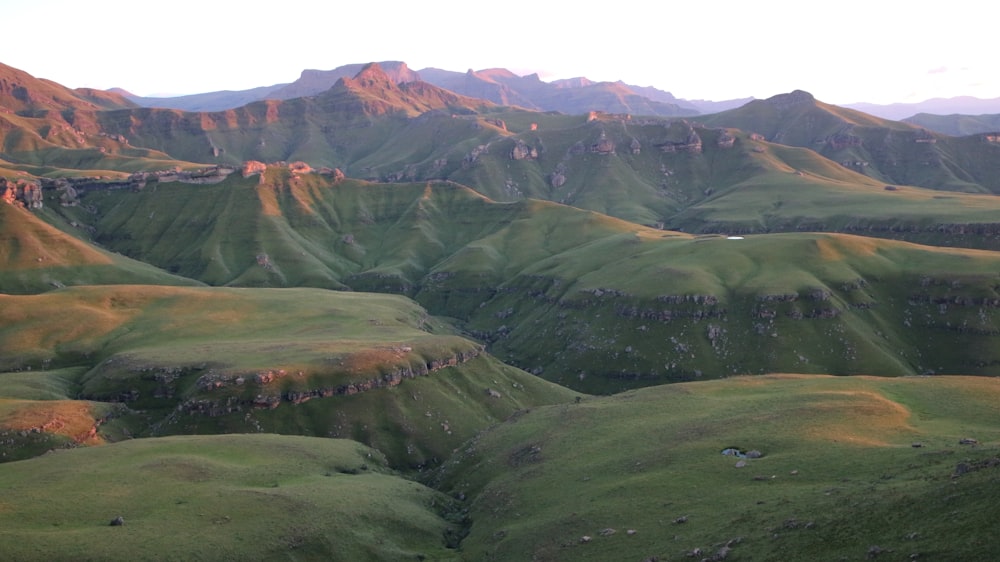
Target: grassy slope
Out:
[887,151]
[246,497]
[35,257]
[632,310]
[570,293]
[838,475]
[371,367]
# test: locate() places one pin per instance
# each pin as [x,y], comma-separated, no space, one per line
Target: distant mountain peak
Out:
[372,73]
[791,99]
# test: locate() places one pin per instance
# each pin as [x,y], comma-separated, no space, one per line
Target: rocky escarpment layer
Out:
[604,339]
[207,391]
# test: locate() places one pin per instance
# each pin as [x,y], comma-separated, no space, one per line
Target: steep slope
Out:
[337,128]
[37,257]
[314,82]
[47,129]
[28,96]
[888,151]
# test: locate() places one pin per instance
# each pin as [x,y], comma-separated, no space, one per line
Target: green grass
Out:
[234,497]
[374,368]
[839,473]
[599,303]
[36,257]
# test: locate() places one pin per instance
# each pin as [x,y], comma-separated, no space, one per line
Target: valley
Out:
[385,320]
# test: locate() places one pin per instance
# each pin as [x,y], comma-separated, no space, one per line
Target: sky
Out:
[848,51]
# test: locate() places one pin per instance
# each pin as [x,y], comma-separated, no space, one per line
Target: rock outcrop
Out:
[22,192]
[522,151]
[251,167]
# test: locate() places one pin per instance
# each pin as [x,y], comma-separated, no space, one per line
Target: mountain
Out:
[309,83]
[209,101]
[965,105]
[46,128]
[313,82]
[499,86]
[494,332]
[889,151]
[955,124]
[336,128]
[569,96]
[27,96]
[707,106]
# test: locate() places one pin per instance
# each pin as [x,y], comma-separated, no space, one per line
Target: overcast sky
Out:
[848,51]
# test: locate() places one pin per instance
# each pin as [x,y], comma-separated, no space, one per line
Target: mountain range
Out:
[493,318]
[571,95]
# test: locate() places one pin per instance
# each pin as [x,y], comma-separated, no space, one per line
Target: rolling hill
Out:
[388,320]
[583,299]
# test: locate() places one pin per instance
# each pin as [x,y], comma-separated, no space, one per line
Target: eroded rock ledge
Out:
[271,400]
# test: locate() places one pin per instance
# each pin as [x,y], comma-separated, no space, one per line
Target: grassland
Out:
[153,360]
[852,468]
[535,237]
[36,257]
[245,497]
[598,303]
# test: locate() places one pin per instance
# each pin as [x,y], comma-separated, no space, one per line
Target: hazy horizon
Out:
[879,53]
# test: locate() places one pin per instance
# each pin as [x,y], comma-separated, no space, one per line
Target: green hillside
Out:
[851,468]
[888,151]
[37,257]
[593,302]
[143,360]
[391,322]
[245,497]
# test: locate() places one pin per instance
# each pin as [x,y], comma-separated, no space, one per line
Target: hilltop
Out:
[485,329]
[888,151]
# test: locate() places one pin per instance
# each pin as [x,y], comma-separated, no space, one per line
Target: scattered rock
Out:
[741,464]
[681,519]
[968,441]
[754,454]
[522,151]
[719,555]
[585,539]
[607,532]
[117,521]
[917,445]
[875,551]
[630,532]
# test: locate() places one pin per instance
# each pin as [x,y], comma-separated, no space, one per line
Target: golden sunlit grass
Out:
[28,243]
[73,419]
